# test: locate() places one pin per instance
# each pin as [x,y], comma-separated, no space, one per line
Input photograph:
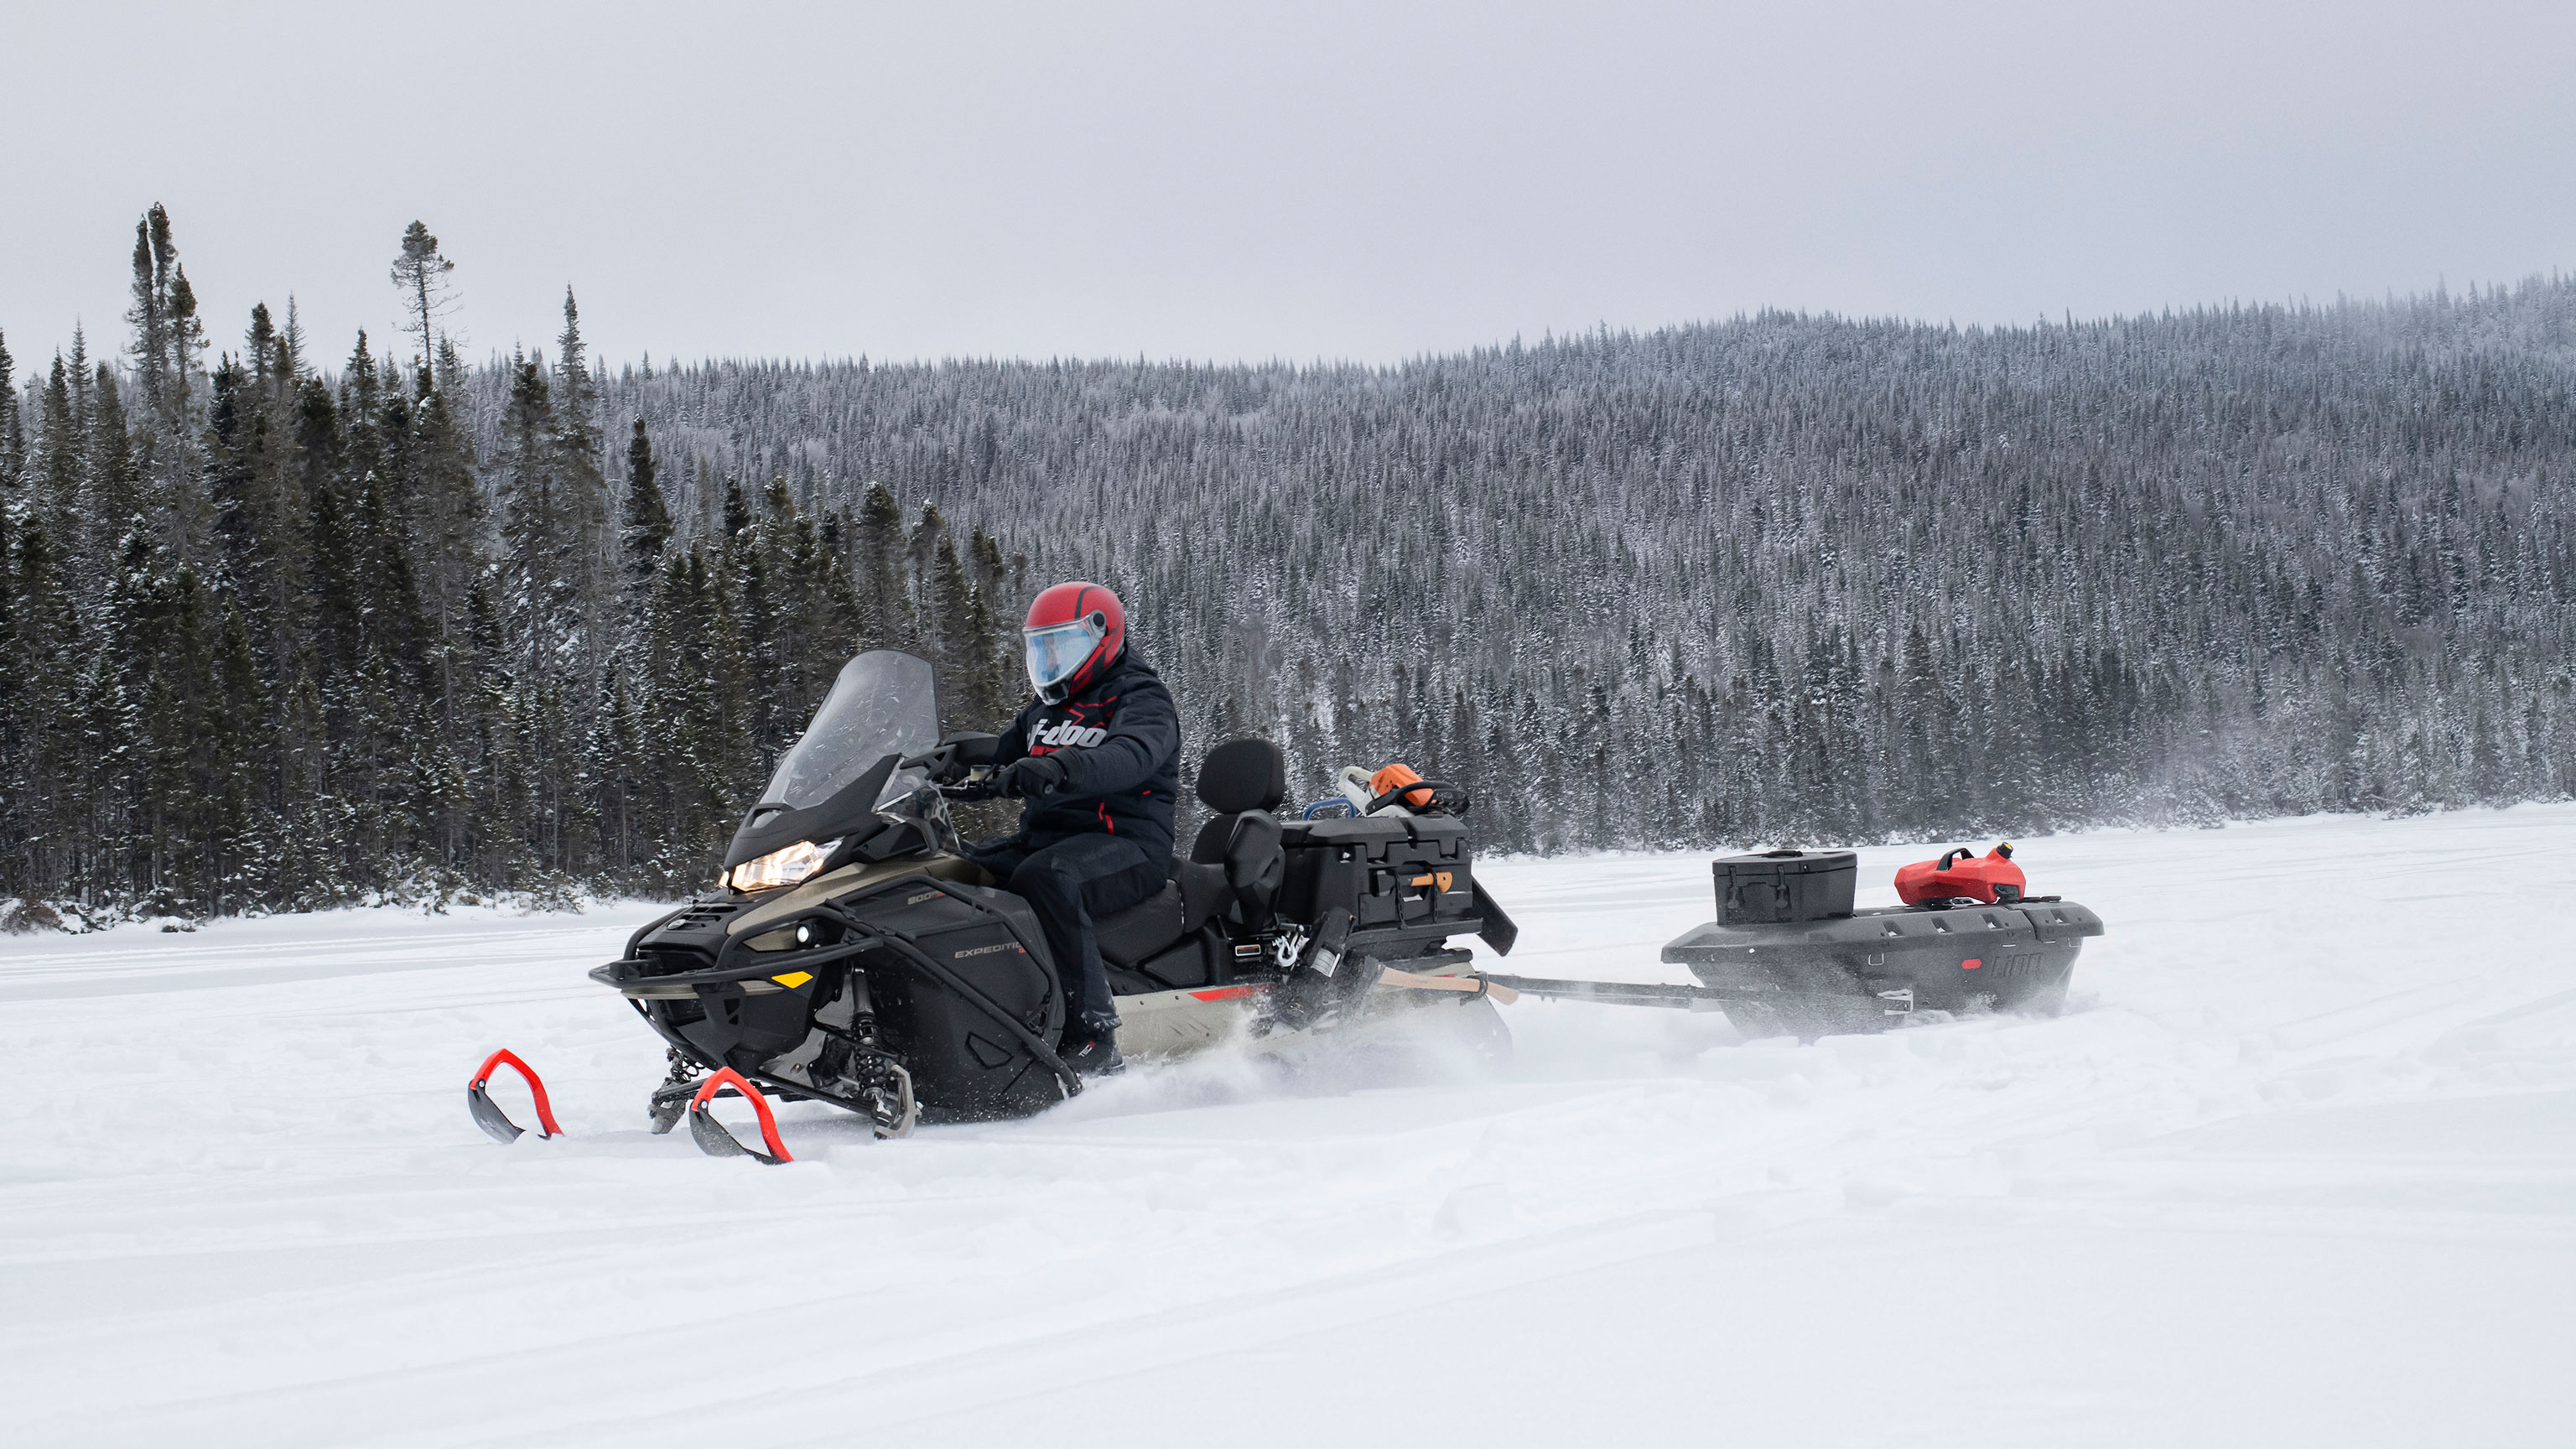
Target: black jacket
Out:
[1120,741]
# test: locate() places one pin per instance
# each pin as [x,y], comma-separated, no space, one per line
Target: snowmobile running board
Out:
[1616,993]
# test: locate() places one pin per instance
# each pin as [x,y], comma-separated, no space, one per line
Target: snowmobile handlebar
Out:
[953,759]
[1437,795]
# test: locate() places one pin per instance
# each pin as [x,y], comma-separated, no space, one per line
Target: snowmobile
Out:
[855,955]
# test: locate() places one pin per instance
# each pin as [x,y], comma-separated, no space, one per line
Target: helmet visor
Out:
[1057,650]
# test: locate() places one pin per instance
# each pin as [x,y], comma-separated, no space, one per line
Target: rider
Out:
[1097,757]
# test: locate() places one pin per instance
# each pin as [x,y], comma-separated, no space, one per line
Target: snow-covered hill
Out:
[2298,1168]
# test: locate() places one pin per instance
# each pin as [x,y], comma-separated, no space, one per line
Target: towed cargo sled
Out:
[1789,956]
[855,955]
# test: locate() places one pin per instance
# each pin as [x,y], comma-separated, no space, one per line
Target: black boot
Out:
[1090,1047]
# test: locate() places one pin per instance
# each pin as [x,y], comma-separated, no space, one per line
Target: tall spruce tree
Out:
[421,271]
[13,428]
[593,568]
[169,339]
[645,522]
[885,604]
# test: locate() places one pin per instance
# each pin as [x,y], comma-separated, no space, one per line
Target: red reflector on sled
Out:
[1226,993]
[1972,963]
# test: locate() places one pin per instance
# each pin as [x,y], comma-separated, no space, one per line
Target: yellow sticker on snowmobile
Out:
[793,979]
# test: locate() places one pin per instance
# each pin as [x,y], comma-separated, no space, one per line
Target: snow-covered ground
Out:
[2299,1167]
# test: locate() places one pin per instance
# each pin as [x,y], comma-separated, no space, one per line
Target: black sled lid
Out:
[1788,862]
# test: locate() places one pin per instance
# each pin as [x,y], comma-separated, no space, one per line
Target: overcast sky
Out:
[1293,179]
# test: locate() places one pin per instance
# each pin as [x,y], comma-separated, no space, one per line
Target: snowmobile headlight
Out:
[783,867]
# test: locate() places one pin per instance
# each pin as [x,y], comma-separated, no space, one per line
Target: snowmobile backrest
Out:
[1242,775]
[1244,848]
[1243,781]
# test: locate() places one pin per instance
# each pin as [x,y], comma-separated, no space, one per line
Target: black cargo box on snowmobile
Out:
[1405,879]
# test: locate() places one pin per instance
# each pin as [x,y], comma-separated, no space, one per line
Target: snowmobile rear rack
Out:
[488,1114]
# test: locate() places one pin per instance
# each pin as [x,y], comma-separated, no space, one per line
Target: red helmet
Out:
[1074,631]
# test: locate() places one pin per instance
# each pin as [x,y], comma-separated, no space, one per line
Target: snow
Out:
[2298,1167]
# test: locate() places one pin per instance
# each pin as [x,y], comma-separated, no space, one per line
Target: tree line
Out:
[279,637]
[1792,579]
[280,634]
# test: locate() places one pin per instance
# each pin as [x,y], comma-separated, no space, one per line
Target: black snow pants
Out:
[1067,882]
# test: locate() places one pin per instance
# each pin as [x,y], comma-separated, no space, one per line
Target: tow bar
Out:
[1615,993]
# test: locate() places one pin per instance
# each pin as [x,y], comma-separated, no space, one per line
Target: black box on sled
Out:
[1408,873]
[1780,886]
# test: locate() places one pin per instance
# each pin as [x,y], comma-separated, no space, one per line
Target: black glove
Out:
[1029,777]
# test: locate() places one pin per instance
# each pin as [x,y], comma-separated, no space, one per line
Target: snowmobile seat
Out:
[1233,872]
[1143,929]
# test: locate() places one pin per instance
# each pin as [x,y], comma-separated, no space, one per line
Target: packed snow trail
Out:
[2297,1167]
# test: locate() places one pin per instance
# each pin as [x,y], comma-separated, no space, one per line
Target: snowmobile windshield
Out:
[883,704]
[1059,649]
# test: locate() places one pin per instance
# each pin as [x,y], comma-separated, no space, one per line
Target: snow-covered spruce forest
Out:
[285,629]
